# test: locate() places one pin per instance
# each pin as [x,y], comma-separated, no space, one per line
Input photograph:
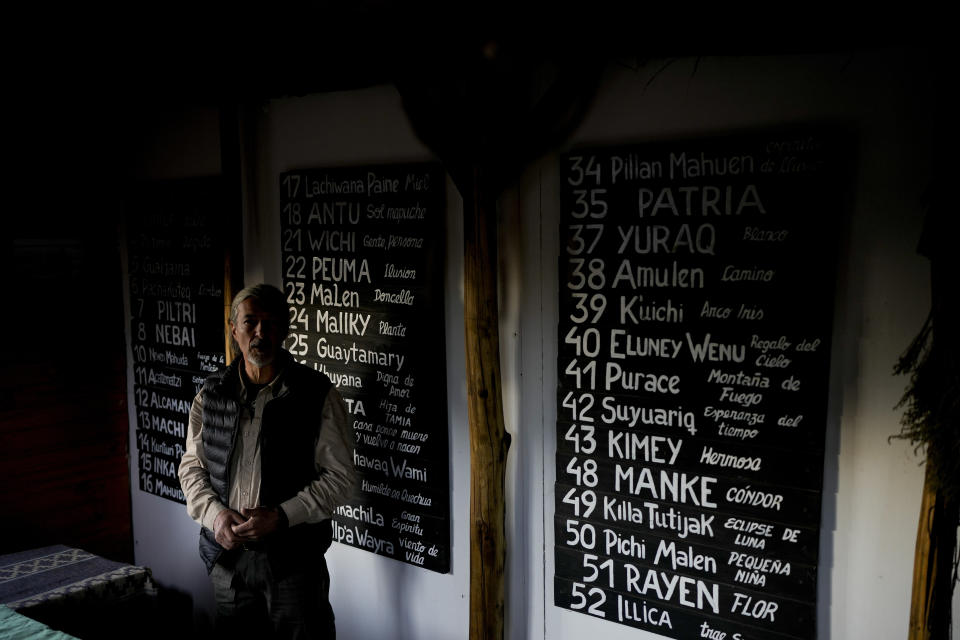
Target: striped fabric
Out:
[29,578]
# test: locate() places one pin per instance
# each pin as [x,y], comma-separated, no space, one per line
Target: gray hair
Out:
[270,298]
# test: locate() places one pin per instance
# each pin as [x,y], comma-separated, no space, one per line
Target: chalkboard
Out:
[696,298]
[175,257]
[362,252]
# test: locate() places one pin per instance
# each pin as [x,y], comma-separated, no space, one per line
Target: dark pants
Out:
[252,604]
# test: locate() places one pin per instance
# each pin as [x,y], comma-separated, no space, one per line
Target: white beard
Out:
[259,359]
[260,362]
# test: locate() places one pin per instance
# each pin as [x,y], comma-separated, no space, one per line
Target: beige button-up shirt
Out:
[313,503]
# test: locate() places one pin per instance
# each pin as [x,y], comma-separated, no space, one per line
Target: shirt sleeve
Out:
[336,474]
[203,504]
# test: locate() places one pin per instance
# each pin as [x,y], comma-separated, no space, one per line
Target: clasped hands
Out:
[233,529]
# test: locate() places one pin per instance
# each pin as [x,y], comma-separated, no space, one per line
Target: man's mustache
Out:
[259,344]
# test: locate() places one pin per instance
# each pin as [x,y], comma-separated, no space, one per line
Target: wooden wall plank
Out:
[63,413]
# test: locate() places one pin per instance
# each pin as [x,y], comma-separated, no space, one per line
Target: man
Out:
[269,456]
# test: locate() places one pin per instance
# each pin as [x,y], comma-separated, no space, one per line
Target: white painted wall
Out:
[871,486]
[374,596]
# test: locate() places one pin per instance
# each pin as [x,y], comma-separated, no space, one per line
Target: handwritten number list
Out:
[696,290]
[362,252]
[175,267]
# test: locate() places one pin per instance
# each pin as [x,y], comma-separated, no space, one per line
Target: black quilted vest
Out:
[288,433]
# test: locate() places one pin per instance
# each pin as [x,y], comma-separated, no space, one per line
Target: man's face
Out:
[257,333]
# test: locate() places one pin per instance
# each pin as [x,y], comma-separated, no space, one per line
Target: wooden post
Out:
[235,148]
[228,293]
[924,567]
[933,568]
[489,441]
[465,105]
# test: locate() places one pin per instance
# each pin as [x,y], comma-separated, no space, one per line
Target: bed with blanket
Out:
[75,591]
